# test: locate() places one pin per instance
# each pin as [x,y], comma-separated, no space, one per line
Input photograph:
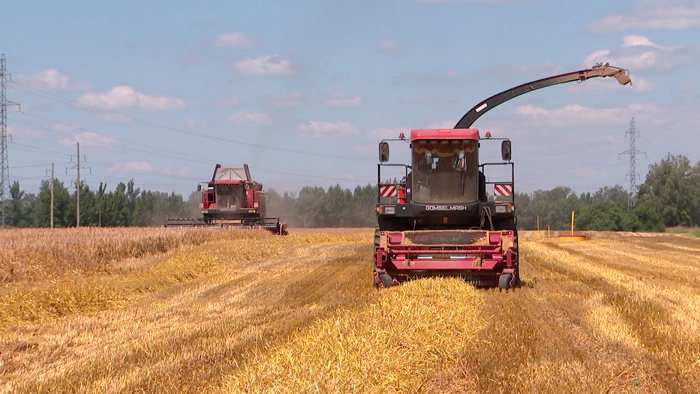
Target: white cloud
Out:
[640,53]
[124,97]
[391,47]
[471,1]
[179,171]
[144,166]
[318,128]
[64,127]
[420,101]
[580,136]
[132,166]
[652,14]
[88,138]
[394,132]
[634,40]
[226,102]
[640,84]
[341,99]
[366,148]
[443,124]
[194,123]
[432,76]
[284,100]
[26,133]
[249,119]
[232,40]
[265,65]
[50,79]
[609,85]
[192,59]
[686,86]
[116,118]
[572,116]
[524,70]
[386,132]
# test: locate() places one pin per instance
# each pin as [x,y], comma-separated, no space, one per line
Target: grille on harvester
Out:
[449,237]
[388,191]
[502,190]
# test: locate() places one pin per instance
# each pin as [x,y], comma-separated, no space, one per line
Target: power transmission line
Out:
[4,164]
[91,108]
[51,189]
[77,187]
[179,156]
[632,175]
[167,153]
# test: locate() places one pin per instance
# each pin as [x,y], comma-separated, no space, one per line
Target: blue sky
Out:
[303,91]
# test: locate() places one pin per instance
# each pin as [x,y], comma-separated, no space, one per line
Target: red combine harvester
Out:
[232,200]
[439,220]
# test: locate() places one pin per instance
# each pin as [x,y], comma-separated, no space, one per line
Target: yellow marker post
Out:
[572,222]
[572,237]
[539,236]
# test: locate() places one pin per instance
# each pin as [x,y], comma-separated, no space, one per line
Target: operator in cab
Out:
[445,172]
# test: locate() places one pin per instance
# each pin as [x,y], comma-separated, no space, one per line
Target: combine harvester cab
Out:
[439,219]
[232,200]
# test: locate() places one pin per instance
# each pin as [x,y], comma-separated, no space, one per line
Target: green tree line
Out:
[124,206]
[669,196]
[606,210]
[316,207]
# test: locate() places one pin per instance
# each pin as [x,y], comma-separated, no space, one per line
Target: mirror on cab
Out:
[383,152]
[199,188]
[505,150]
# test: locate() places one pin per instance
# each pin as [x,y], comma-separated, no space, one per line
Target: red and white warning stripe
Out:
[387,191]
[502,190]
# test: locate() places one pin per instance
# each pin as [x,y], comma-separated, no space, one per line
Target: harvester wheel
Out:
[516,249]
[517,252]
[387,281]
[504,281]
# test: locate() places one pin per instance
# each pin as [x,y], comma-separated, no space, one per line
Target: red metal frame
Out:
[444,134]
[250,198]
[402,193]
[405,258]
[227,181]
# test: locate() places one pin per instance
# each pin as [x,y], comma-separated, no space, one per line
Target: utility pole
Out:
[51,187]
[77,192]
[632,175]
[4,165]
[77,188]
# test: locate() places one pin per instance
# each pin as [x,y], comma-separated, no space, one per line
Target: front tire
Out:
[516,249]
[386,280]
[504,281]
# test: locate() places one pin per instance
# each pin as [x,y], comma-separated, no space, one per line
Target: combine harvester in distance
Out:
[439,220]
[232,200]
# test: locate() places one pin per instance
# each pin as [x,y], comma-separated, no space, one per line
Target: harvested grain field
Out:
[257,313]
